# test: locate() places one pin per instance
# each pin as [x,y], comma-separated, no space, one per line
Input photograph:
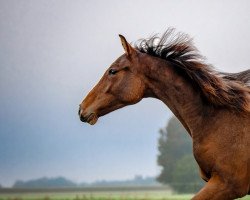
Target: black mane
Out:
[171,46]
[221,89]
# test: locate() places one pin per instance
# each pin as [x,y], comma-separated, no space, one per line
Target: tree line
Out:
[61,182]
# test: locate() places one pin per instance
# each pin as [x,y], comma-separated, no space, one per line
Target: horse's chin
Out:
[92,119]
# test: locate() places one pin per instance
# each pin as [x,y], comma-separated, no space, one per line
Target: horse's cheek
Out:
[134,92]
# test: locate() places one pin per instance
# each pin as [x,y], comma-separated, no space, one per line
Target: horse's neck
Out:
[178,94]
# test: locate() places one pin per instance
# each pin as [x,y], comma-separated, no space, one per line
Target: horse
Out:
[213,106]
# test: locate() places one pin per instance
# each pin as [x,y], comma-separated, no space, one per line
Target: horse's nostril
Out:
[80,113]
[82,118]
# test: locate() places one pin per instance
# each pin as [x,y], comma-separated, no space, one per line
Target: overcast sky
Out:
[53,52]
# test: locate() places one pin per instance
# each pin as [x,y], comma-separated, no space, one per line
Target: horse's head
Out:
[121,85]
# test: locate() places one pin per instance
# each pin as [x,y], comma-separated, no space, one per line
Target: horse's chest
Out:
[205,155]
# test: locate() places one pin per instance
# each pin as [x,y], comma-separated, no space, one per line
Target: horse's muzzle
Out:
[89,118]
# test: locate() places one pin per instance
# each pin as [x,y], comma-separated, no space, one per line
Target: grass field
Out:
[97,197]
[93,194]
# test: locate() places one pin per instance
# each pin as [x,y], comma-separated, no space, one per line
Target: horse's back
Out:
[243,76]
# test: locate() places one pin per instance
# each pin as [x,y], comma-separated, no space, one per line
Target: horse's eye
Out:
[112,72]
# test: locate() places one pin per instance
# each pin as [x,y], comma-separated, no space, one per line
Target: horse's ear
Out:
[127,47]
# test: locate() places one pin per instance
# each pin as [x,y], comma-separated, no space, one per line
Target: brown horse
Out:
[214,107]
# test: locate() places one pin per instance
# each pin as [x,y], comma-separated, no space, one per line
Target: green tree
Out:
[178,167]
[186,178]
[173,144]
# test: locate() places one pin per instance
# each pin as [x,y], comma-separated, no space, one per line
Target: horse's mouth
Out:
[91,119]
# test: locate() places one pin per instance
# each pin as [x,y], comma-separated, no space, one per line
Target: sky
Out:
[53,52]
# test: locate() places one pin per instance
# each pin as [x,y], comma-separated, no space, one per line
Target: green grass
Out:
[96,197]
[116,195]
